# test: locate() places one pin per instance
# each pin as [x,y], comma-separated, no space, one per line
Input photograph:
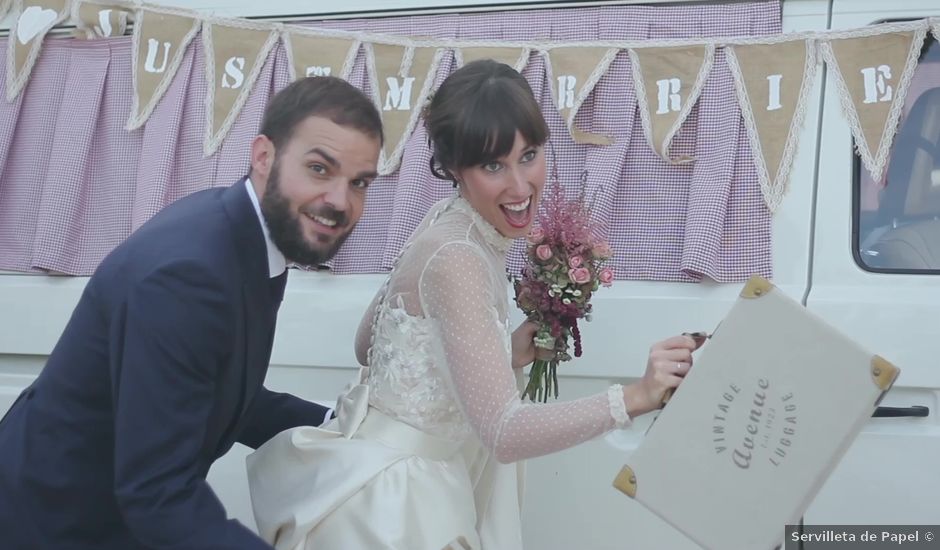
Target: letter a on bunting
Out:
[668,82]
[401,80]
[873,74]
[234,57]
[34,18]
[773,101]
[575,71]
[312,55]
[160,40]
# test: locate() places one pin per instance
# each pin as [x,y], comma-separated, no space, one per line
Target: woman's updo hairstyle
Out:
[475,114]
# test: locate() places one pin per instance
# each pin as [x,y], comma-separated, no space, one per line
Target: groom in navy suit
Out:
[161,366]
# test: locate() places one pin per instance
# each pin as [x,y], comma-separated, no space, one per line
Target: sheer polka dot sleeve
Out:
[457,289]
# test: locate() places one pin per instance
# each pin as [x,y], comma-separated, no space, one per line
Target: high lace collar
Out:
[491,235]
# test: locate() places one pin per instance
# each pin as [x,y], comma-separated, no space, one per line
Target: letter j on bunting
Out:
[234,57]
[872,74]
[401,81]
[94,19]
[34,19]
[160,40]
[668,82]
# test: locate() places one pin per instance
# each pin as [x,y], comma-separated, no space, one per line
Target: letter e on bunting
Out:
[312,55]
[514,57]
[99,20]
[160,40]
[872,74]
[234,57]
[34,18]
[401,80]
[668,82]
[574,72]
[773,96]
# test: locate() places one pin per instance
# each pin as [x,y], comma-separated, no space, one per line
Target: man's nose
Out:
[337,195]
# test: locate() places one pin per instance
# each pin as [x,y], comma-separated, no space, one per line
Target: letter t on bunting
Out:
[234,57]
[401,80]
[773,99]
[872,74]
[34,18]
[574,72]
[160,40]
[668,82]
[312,55]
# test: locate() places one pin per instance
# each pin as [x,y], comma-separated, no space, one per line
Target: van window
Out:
[896,226]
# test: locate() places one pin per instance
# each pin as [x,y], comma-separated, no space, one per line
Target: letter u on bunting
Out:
[160,40]
[668,82]
[33,21]
[872,74]
[514,57]
[574,72]
[99,19]
[773,96]
[235,54]
[312,55]
[401,80]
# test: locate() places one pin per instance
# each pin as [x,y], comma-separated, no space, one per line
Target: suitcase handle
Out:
[896,412]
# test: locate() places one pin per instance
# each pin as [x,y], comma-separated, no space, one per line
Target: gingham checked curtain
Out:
[74,183]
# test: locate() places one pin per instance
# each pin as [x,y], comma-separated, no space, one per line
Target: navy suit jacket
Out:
[158,372]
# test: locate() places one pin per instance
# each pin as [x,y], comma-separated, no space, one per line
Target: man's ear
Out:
[262,158]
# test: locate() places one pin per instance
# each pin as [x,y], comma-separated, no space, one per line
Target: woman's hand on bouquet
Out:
[523,346]
[668,363]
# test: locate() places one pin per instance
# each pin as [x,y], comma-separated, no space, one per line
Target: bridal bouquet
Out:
[565,265]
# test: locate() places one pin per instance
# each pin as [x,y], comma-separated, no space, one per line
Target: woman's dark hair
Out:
[473,117]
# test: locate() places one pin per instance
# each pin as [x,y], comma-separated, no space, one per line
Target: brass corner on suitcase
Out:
[625,481]
[883,372]
[756,287]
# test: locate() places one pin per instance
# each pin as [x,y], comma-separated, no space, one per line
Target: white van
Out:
[868,263]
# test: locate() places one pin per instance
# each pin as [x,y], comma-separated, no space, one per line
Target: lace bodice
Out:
[440,356]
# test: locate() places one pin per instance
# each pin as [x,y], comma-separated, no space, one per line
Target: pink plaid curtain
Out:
[74,183]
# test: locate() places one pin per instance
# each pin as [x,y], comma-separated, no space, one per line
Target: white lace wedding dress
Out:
[427,446]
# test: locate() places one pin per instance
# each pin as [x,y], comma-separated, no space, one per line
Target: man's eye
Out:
[361,184]
[318,168]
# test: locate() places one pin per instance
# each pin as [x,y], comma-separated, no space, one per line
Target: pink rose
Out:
[579,275]
[602,250]
[536,236]
[575,262]
[606,276]
[543,252]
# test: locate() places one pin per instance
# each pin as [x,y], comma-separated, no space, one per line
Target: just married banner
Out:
[773,75]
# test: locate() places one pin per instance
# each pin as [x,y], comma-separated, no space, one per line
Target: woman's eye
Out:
[492,166]
[529,155]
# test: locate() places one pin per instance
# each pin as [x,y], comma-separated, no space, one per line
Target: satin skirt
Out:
[386,485]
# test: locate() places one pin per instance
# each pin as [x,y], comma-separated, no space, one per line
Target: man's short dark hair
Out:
[324,96]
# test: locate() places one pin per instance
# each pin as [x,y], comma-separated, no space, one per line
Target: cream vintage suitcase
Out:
[772,403]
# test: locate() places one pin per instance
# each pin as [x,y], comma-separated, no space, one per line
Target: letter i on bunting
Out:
[574,72]
[235,54]
[514,57]
[34,19]
[773,83]
[401,80]
[668,82]
[160,40]
[99,19]
[312,55]
[872,74]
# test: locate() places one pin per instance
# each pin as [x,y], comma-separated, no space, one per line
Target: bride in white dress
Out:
[427,446]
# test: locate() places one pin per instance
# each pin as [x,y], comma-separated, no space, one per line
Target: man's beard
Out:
[285,227]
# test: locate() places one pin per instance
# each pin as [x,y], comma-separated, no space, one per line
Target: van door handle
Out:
[895,412]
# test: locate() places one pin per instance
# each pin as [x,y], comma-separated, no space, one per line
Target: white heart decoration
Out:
[32,21]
